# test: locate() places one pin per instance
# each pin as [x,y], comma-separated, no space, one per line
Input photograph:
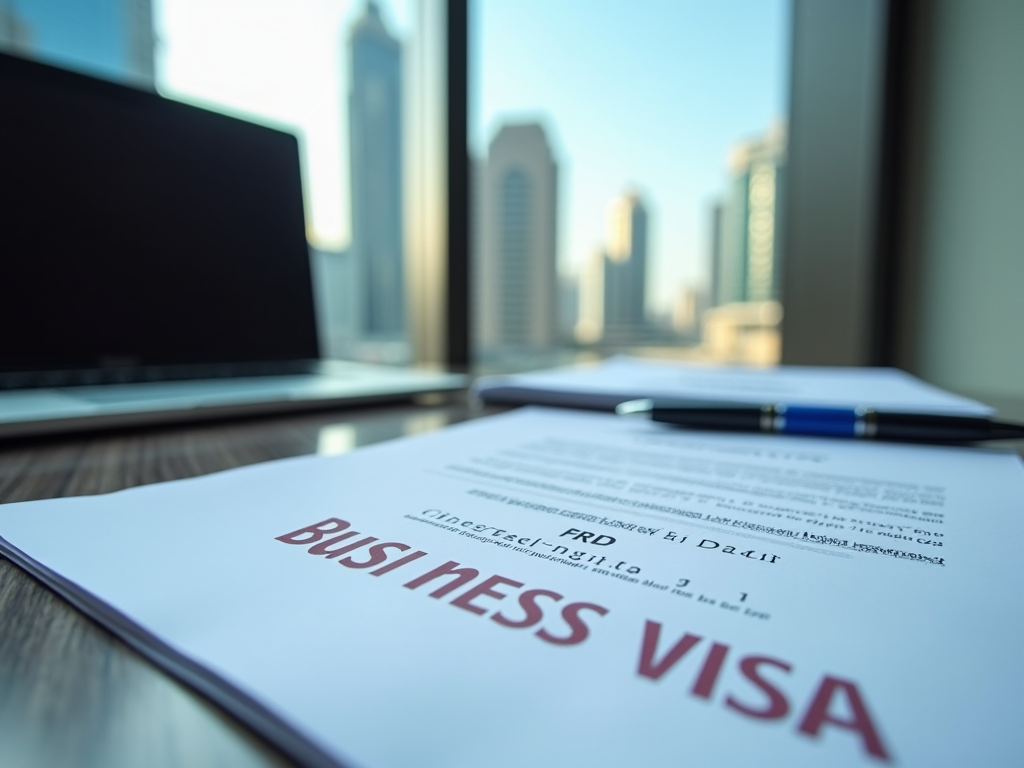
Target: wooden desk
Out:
[70,692]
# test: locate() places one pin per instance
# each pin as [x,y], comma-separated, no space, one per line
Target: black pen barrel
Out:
[731,417]
[820,421]
[1006,431]
[951,429]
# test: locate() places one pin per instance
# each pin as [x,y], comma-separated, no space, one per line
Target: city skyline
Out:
[686,81]
[628,88]
[727,59]
[285,65]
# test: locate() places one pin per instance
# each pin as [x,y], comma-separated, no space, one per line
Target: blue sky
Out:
[77,33]
[648,94]
[280,61]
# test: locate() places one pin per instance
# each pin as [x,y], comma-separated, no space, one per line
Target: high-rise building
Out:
[375,143]
[334,292]
[568,306]
[613,300]
[590,327]
[745,244]
[625,270]
[110,38]
[743,324]
[516,271]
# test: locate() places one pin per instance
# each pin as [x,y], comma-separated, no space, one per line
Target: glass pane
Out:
[628,188]
[337,74]
[109,38]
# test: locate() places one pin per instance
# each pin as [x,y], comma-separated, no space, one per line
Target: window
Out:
[629,164]
[632,167]
[338,75]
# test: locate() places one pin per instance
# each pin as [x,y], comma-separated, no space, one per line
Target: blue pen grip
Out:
[832,422]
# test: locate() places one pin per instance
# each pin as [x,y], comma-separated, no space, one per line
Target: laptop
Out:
[154,264]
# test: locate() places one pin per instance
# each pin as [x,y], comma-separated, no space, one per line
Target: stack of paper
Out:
[553,588]
[618,379]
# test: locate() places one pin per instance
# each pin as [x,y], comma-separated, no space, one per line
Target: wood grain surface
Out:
[71,694]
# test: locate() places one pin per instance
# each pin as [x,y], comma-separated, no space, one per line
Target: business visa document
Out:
[554,588]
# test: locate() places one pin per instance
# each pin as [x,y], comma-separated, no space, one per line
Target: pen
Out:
[859,422]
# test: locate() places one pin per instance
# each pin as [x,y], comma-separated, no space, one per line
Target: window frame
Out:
[848,65]
[842,226]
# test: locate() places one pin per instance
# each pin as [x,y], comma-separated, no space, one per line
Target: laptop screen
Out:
[140,231]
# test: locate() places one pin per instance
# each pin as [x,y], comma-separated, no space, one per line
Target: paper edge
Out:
[507,389]
[264,723]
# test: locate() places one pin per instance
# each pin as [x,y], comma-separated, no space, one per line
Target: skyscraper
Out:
[613,288]
[625,293]
[518,285]
[110,38]
[743,324]
[746,256]
[375,142]
[336,306]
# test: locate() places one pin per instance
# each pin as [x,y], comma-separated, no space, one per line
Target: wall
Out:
[835,117]
[962,307]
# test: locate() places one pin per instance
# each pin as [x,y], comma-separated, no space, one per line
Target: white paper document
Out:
[621,378]
[551,588]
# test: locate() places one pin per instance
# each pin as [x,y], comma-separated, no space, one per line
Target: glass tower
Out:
[375,135]
[517,275]
[625,279]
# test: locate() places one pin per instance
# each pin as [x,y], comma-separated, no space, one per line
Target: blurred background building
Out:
[15,33]
[746,243]
[625,270]
[375,140]
[516,269]
[743,322]
[613,301]
[337,302]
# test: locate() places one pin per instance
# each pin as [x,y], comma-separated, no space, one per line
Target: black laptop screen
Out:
[139,231]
